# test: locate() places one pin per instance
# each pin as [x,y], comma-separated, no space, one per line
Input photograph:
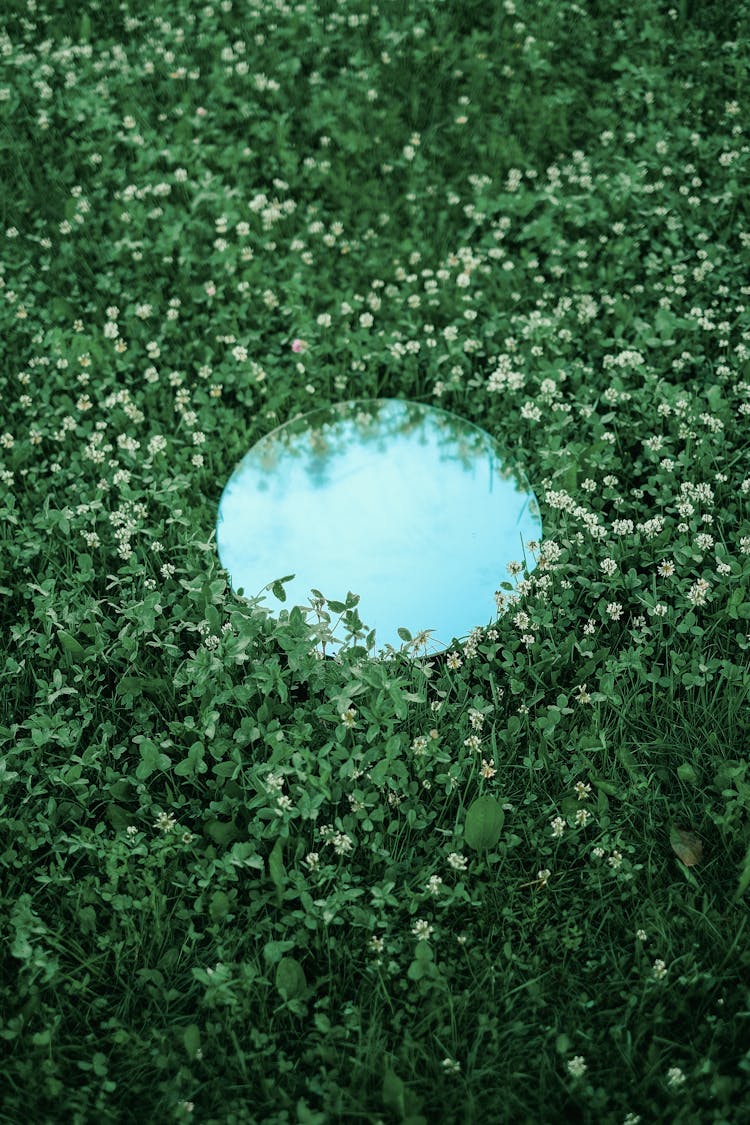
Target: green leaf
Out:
[119,818]
[570,479]
[628,760]
[685,772]
[570,805]
[307,1116]
[714,396]
[274,950]
[277,587]
[484,822]
[225,769]
[606,787]
[137,685]
[244,853]
[744,881]
[193,763]
[404,634]
[151,759]
[221,832]
[416,970]
[70,644]
[276,868]
[219,906]
[290,978]
[393,1091]
[191,1038]
[422,965]
[378,773]
[62,308]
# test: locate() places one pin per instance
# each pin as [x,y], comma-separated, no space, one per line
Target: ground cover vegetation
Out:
[241,883]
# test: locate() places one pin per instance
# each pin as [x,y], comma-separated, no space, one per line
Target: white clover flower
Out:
[675,1078]
[577,1066]
[165,822]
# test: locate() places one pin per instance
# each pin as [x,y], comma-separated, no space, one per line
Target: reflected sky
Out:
[406,505]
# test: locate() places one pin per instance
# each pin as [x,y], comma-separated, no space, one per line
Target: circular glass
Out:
[410,507]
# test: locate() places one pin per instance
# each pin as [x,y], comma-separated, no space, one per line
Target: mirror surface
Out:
[408,506]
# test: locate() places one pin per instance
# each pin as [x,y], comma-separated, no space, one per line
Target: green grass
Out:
[219,902]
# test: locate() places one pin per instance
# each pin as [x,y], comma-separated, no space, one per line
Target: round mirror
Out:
[410,507]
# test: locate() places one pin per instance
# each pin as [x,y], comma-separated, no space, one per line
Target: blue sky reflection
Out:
[406,505]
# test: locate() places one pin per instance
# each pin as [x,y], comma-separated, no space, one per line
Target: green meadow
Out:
[242,884]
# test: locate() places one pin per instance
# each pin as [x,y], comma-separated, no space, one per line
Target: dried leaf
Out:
[686,846]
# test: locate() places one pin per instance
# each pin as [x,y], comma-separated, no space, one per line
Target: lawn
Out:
[240,883]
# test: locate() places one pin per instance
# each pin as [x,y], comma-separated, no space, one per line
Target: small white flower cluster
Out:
[341,842]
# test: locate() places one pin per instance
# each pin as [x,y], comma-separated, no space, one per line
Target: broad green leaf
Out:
[685,772]
[378,772]
[151,760]
[571,805]
[607,787]
[307,1116]
[277,587]
[191,1038]
[219,906]
[273,951]
[119,818]
[627,760]
[393,1091]
[222,832]
[244,853]
[484,822]
[276,868]
[686,846]
[416,970]
[62,308]
[714,396]
[290,978]
[224,769]
[70,644]
[193,763]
